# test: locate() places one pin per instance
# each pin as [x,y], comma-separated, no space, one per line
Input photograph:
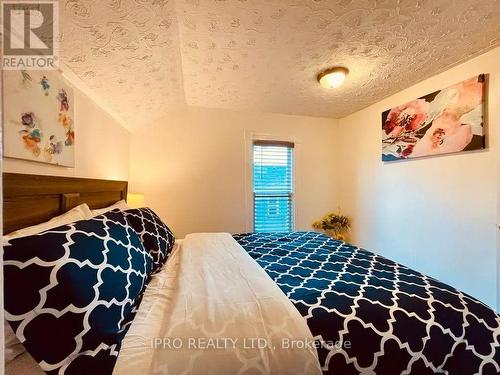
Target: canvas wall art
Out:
[445,121]
[39,117]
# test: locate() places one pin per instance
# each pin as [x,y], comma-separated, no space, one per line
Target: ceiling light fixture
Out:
[333,77]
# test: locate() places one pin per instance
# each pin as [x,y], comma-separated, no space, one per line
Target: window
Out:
[273,186]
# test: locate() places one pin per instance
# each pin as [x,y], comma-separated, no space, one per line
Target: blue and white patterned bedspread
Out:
[374,316]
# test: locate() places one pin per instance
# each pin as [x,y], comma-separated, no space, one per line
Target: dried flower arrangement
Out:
[335,225]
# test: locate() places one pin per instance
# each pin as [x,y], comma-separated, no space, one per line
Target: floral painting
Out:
[38,117]
[446,121]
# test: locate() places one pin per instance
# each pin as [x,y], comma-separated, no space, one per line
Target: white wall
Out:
[437,215]
[101,147]
[193,167]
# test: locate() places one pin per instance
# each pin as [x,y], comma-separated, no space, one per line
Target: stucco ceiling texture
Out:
[152,56]
[127,52]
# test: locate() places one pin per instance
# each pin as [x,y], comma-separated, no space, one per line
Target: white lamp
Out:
[135,200]
[333,77]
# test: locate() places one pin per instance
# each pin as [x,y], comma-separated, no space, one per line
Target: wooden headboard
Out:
[33,199]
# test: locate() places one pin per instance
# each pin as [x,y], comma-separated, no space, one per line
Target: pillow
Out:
[121,205]
[71,292]
[156,237]
[12,346]
[81,212]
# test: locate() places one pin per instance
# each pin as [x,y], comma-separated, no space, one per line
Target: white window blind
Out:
[273,186]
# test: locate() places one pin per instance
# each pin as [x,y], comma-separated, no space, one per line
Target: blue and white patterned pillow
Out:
[71,292]
[156,237]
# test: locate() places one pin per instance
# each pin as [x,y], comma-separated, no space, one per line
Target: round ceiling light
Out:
[333,77]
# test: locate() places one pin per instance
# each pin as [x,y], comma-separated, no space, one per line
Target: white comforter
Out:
[213,310]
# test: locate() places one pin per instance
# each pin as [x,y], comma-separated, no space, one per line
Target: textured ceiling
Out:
[127,52]
[147,57]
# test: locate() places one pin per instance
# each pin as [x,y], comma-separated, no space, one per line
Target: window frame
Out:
[272,141]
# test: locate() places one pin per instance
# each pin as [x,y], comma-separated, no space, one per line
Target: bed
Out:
[280,303]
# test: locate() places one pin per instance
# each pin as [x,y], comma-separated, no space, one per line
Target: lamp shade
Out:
[135,200]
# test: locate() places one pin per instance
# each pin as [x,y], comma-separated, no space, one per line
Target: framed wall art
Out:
[39,117]
[445,121]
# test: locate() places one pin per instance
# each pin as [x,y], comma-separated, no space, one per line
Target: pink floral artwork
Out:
[445,121]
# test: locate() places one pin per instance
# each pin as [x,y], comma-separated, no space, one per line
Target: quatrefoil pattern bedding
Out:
[396,320]
[71,292]
[156,237]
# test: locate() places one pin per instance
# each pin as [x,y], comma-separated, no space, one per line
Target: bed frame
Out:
[33,199]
